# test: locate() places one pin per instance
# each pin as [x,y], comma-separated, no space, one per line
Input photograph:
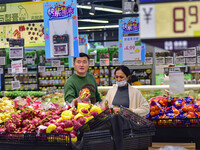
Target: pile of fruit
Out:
[6,109]
[62,121]
[173,107]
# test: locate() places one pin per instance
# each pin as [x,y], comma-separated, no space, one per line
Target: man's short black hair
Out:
[82,55]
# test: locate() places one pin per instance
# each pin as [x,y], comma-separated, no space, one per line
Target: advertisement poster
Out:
[17,66]
[61,29]
[83,43]
[33,33]
[130,46]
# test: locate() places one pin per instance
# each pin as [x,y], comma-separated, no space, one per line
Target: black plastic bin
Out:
[32,141]
[123,131]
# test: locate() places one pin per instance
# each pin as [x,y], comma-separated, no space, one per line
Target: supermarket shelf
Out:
[52,78]
[153,87]
[22,75]
[102,76]
[24,89]
[24,82]
[56,86]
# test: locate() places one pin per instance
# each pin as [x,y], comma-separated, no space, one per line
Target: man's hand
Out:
[75,101]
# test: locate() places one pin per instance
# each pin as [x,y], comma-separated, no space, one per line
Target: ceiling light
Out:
[93,20]
[98,27]
[92,10]
[114,10]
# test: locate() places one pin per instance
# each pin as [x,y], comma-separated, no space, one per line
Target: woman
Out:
[124,94]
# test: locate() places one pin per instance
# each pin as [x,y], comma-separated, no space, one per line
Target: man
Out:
[80,80]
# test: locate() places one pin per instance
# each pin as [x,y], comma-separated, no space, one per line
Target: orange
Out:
[184,108]
[191,114]
[190,108]
[152,108]
[152,113]
[157,112]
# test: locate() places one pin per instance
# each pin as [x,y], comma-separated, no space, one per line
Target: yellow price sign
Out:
[137,50]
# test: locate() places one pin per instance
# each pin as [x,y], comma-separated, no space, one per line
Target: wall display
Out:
[179,30]
[130,46]
[32,32]
[83,43]
[61,29]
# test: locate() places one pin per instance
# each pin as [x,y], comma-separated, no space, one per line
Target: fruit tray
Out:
[177,122]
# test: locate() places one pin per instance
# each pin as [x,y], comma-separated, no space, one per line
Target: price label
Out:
[104,62]
[1,70]
[148,61]
[180,60]
[15,85]
[55,63]
[92,62]
[190,52]
[160,60]
[198,59]
[16,52]
[9,70]
[41,68]
[169,60]
[25,70]
[115,62]
[61,68]
[131,48]
[190,60]
[17,66]
[2,61]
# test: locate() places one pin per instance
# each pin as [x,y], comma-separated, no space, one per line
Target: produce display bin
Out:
[32,141]
[177,130]
[101,132]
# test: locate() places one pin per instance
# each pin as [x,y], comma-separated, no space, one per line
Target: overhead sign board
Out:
[171,26]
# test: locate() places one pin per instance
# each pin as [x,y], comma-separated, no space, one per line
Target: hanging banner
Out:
[61,29]
[83,43]
[130,46]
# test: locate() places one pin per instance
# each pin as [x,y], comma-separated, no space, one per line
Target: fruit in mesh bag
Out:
[84,93]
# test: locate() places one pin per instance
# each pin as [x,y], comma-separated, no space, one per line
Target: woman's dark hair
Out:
[126,71]
[82,55]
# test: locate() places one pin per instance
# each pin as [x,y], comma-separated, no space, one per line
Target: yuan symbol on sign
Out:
[147,14]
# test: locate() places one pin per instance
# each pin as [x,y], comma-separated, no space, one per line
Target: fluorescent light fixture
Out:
[93,20]
[98,27]
[100,8]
